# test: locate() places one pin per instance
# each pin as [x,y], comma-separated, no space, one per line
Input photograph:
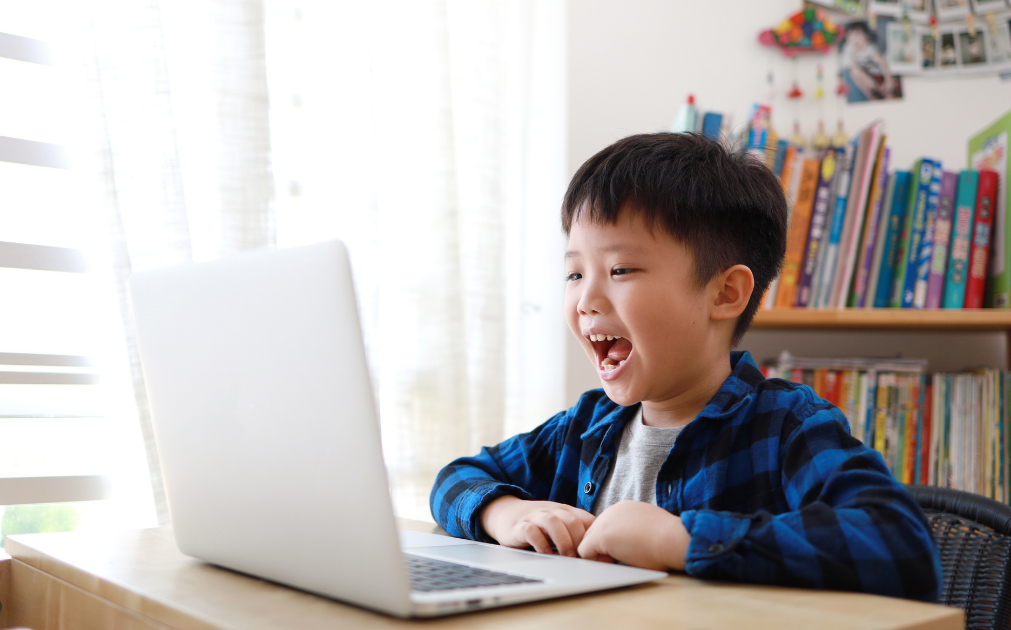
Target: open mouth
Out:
[612,351]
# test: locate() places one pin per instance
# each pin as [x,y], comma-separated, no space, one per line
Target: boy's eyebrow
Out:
[616,248]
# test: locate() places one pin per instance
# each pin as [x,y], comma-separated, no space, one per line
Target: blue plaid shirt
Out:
[767,480]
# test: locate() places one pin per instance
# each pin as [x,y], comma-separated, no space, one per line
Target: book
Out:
[816,232]
[927,241]
[777,165]
[942,239]
[879,240]
[979,254]
[905,270]
[790,172]
[711,124]
[796,238]
[830,252]
[855,212]
[891,245]
[866,247]
[926,435]
[961,239]
[988,150]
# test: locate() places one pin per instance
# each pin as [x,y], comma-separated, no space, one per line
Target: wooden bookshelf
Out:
[894,319]
[972,320]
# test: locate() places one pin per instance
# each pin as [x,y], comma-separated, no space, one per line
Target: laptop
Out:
[270,445]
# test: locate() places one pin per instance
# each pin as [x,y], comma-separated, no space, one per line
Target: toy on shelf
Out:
[840,138]
[687,117]
[807,31]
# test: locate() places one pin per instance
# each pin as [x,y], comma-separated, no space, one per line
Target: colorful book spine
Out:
[777,165]
[885,382]
[771,147]
[831,249]
[986,199]
[816,233]
[988,150]
[837,254]
[942,239]
[711,123]
[797,235]
[926,435]
[927,243]
[879,241]
[856,212]
[789,160]
[961,239]
[866,253]
[905,275]
[891,251]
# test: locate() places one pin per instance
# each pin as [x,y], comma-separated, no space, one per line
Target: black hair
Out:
[723,205]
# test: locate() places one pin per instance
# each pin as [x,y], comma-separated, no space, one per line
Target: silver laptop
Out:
[269,443]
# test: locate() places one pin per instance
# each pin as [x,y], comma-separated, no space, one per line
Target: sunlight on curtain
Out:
[430,136]
[177,105]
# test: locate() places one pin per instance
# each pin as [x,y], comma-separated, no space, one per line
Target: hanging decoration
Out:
[807,31]
[820,140]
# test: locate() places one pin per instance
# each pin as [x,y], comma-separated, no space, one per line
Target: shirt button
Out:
[670,487]
[715,548]
[588,488]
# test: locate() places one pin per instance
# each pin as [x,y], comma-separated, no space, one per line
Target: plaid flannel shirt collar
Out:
[735,393]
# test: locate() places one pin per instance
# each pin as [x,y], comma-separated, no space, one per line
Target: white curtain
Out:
[428,134]
[181,157]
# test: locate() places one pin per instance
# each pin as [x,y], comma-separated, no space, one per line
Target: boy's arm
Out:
[852,525]
[524,466]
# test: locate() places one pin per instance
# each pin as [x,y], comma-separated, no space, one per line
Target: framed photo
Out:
[951,9]
[947,51]
[972,50]
[928,50]
[999,49]
[988,6]
[851,7]
[891,8]
[863,62]
[902,49]
[919,10]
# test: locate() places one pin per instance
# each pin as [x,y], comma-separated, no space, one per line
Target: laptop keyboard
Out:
[435,575]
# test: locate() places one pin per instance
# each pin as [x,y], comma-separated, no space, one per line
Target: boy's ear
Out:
[733,291]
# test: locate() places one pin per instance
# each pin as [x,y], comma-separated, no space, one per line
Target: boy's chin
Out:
[620,395]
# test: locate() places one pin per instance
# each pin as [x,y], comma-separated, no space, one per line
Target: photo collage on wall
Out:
[931,38]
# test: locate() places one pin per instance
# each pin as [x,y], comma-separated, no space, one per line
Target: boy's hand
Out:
[638,534]
[538,524]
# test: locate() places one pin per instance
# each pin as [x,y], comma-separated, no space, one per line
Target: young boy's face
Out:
[628,283]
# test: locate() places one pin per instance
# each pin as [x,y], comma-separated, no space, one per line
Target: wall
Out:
[632,64]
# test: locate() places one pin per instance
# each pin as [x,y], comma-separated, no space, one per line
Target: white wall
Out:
[632,63]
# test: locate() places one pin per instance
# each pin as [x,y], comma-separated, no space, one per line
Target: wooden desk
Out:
[140,581]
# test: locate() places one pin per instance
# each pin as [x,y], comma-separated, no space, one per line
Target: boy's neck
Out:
[682,408]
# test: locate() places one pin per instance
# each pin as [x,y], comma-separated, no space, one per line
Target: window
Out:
[70,455]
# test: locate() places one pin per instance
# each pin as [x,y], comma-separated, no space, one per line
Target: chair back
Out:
[973,534]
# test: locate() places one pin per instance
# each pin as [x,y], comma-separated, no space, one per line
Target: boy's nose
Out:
[591,301]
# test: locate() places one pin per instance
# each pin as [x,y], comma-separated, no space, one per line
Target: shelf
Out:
[884,319]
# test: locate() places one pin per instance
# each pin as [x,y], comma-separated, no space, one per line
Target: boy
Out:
[688,459]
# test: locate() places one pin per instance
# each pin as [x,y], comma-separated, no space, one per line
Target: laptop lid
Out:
[265,421]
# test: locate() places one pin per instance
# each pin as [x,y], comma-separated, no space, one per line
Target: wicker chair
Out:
[973,534]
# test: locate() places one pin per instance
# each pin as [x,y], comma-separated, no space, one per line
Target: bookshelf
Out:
[885,319]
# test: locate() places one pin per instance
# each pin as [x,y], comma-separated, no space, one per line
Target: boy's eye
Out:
[573,276]
[621,271]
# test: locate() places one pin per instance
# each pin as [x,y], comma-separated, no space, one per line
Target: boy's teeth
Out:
[603,337]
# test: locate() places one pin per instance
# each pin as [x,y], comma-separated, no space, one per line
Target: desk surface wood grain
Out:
[139,579]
